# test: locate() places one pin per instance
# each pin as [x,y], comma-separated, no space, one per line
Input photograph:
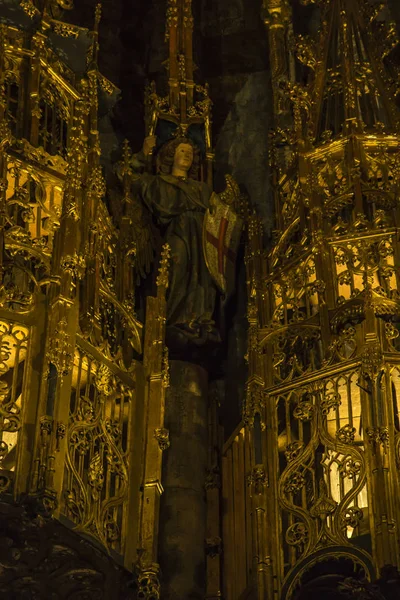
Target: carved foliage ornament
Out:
[378,436]
[351,517]
[294,483]
[97,459]
[297,534]
[149,585]
[13,343]
[294,450]
[372,361]
[346,434]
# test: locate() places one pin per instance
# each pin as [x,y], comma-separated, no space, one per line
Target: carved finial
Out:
[148,583]
[125,164]
[94,47]
[97,16]
[324,506]
[60,351]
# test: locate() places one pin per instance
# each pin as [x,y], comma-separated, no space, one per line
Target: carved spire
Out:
[179,33]
[351,88]
[187,104]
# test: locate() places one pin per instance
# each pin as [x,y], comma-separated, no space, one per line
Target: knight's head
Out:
[183,157]
[180,153]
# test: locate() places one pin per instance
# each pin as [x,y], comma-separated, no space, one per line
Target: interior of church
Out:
[199,300]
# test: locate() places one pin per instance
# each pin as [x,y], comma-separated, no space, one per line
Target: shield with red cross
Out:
[221,235]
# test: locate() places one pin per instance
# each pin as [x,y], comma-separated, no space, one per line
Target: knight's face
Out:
[183,158]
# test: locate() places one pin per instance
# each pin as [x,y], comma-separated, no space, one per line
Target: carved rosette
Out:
[351,517]
[297,535]
[346,434]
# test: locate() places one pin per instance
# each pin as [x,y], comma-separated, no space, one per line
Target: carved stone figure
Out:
[181,206]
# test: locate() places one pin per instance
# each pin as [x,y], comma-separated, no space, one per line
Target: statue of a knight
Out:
[202,230]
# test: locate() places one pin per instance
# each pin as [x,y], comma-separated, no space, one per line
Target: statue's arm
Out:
[141,160]
[138,207]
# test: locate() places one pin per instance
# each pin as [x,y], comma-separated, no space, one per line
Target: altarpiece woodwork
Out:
[94,417]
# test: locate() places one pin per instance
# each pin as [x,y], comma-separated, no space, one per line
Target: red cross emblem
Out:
[222,228]
[219,244]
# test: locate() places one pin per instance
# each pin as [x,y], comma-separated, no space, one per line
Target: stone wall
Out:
[234,60]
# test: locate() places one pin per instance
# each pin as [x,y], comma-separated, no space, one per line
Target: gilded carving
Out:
[60,351]
[294,483]
[293,450]
[149,584]
[29,8]
[96,476]
[324,505]
[165,369]
[372,361]
[66,277]
[351,517]
[350,468]
[162,279]
[13,348]
[162,437]
[297,535]
[304,410]
[329,401]
[324,299]
[346,434]
[378,436]
[258,479]
[255,402]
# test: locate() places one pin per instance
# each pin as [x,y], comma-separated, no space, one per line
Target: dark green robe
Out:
[179,207]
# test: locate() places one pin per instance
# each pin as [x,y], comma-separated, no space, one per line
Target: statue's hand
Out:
[149,144]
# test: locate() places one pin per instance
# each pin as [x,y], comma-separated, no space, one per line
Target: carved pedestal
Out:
[183,507]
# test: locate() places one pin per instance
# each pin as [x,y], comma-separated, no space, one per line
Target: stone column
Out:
[183,507]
